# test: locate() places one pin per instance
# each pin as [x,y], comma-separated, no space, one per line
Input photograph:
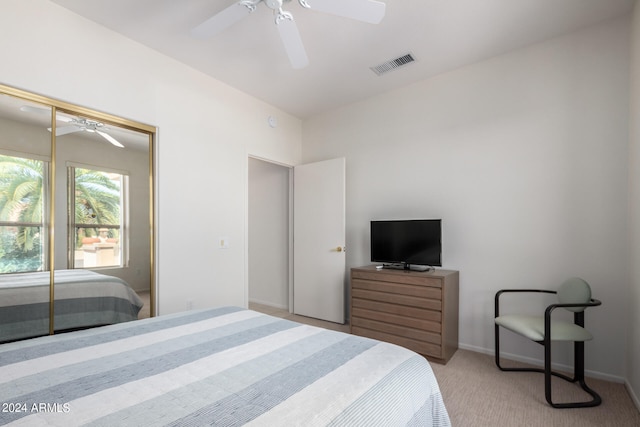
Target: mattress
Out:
[83,298]
[225,366]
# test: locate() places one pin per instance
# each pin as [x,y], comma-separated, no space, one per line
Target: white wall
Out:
[206,130]
[633,333]
[268,233]
[524,158]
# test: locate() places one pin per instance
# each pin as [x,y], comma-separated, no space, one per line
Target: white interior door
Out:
[319,240]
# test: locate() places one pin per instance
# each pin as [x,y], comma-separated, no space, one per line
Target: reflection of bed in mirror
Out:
[83,299]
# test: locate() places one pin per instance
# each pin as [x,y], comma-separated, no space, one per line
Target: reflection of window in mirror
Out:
[22,214]
[97,215]
[102,198]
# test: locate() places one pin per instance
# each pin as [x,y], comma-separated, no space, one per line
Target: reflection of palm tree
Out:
[22,201]
[97,198]
[21,196]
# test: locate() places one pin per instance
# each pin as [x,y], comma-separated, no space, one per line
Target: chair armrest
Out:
[592,303]
[547,313]
[502,291]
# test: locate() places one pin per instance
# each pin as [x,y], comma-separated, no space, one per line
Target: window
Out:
[23,235]
[97,218]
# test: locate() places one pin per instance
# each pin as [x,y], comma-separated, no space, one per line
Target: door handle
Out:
[341,249]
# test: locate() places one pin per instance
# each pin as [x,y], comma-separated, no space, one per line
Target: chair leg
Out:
[497,356]
[548,372]
[497,345]
[578,376]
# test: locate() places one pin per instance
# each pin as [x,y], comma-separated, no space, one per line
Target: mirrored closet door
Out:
[25,170]
[76,217]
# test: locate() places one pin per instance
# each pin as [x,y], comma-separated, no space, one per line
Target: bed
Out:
[83,298]
[223,366]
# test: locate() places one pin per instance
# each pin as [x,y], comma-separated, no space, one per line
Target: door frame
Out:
[290,237]
[289,230]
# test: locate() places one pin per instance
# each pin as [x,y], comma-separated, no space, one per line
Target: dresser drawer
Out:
[402,331]
[398,288]
[397,276]
[414,322]
[399,310]
[422,347]
[403,300]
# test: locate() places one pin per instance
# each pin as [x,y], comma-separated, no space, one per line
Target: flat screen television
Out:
[407,244]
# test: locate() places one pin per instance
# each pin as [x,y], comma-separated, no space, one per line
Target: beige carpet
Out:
[476,393]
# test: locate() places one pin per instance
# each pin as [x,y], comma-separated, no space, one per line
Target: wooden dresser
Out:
[417,310]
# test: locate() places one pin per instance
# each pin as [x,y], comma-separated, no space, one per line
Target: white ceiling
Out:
[441,34]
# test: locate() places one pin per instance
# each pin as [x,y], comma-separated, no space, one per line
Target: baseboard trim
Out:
[268,304]
[555,366]
[634,396]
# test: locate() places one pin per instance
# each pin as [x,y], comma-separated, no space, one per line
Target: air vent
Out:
[393,64]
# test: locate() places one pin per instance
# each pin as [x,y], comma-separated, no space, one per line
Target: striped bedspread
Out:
[225,366]
[83,298]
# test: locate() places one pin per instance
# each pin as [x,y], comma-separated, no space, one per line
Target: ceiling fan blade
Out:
[61,118]
[63,130]
[292,41]
[36,110]
[45,111]
[370,11]
[109,138]
[223,20]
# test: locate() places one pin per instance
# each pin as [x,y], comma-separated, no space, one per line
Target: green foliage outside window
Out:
[97,201]
[21,213]
[22,204]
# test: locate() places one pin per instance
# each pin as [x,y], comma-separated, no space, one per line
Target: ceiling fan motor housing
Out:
[273,4]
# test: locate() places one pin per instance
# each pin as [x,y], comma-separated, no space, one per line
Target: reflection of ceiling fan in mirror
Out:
[362,10]
[75,124]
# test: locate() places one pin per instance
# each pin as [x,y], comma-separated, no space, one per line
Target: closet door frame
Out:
[57,106]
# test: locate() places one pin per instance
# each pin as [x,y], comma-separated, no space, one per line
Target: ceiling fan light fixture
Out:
[274,4]
[249,4]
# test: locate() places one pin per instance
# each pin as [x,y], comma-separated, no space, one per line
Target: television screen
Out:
[407,242]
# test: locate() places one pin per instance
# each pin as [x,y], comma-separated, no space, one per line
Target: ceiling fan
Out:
[76,124]
[370,11]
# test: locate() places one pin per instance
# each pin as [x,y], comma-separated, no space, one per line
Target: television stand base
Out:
[412,267]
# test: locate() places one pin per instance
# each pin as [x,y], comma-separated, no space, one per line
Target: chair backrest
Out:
[574,291]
